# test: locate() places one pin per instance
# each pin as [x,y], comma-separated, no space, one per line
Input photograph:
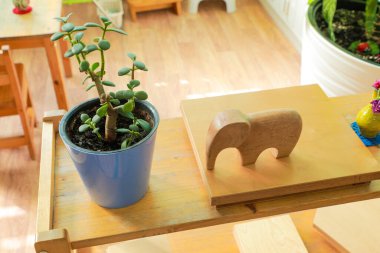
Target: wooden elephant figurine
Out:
[252,134]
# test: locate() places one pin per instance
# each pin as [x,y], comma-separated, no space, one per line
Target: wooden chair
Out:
[15,99]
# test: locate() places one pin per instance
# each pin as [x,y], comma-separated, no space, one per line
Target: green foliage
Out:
[328,12]
[120,103]
[370,17]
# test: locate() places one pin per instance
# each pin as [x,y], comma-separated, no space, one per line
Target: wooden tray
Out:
[328,154]
[177,199]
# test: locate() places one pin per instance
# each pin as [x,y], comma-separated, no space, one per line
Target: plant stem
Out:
[70,39]
[111,119]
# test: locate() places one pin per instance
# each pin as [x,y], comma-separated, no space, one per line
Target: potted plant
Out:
[21,7]
[110,138]
[341,45]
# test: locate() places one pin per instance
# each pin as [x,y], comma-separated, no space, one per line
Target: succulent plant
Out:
[112,104]
[21,4]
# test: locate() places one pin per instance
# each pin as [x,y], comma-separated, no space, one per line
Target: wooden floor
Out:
[189,55]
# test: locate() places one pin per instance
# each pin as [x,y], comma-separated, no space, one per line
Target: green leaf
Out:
[370,17]
[96,40]
[328,11]
[128,115]
[374,47]
[117,30]
[68,27]
[91,24]
[108,83]
[64,19]
[123,71]
[88,121]
[104,19]
[124,94]
[96,119]
[132,56]
[107,23]
[57,36]
[115,101]
[144,125]
[89,48]
[79,36]
[134,83]
[102,111]
[124,144]
[68,53]
[94,66]
[79,28]
[84,66]
[139,65]
[99,73]
[112,94]
[122,130]
[84,117]
[104,45]
[90,86]
[83,128]
[77,48]
[96,130]
[354,45]
[134,127]
[141,95]
[129,106]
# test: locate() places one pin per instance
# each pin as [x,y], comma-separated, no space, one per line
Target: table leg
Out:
[63,44]
[56,74]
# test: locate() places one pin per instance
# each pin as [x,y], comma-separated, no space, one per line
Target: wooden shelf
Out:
[177,199]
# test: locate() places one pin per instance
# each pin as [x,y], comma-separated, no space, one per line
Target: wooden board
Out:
[157,244]
[271,235]
[327,155]
[353,227]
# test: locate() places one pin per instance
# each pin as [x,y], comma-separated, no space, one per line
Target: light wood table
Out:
[177,199]
[34,30]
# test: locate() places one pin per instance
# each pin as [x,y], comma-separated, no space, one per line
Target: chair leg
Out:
[28,134]
[230,5]
[193,6]
[132,12]
[178,8]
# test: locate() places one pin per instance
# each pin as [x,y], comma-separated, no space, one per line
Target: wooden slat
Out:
[4,79]
[46,182]
[12,142]
[313,163]
[156,244]
[271,235]
[53,241]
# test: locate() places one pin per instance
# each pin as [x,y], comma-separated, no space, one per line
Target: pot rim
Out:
[313,23]
[73,111]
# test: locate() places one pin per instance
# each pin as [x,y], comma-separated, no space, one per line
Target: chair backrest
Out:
[9,77]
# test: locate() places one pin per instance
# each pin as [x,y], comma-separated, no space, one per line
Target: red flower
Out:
[376,84]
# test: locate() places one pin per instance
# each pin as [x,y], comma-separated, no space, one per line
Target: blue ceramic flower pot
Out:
[116,178]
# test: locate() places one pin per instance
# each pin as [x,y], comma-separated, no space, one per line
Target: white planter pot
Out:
[336,71]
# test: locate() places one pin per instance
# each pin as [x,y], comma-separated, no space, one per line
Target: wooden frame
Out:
[175,191]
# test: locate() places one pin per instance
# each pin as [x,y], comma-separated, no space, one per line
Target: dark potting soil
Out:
[89,140]
[349,27]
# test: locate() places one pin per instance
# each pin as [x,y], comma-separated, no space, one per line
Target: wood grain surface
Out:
[321,159]
[271,235]
[38,22]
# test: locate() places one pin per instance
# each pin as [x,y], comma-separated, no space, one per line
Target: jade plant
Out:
[121,103]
